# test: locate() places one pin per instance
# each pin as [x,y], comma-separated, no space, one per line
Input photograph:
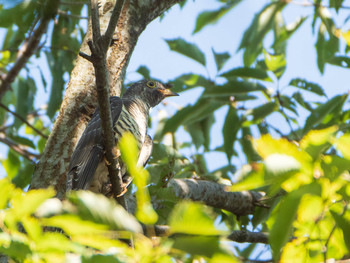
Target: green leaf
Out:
[192,219]
[282,228]
[299,98]
[26,204]
[189,81]
[6,188]
[229,132]
[309,86]
[24,175]
[260,26]
[99,259]
[129,153]
[74,225]
[187,49]
[101,210]
[198,245]
[191,114]
[263,111]
[343,145]
[275,63]
[144,72]
[340,61]
[321,111]
[211,17]
[220,59]
[232,88]
[344,225]
[246,72]
[247,146]
[11,164]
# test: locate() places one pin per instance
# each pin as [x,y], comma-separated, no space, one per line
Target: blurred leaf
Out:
[233,87]
[275,63]
[192,219]
[211,17]
[73,225]
[17,250]
[129,153]
[144,71]
[299,98]
[229,131]
[26,204]
[198,245]
[200,131]
[101,210]
[220,59]
[344,225]
[321,111]
[22,140]
[99,259]
[246,72]
[343,144]
[341,61]
[247,146]
[190,114]
[187,49]
[309,86]
[24,175]
[6,188]
[189,81]
[254,35]
[25,99]
[279,163]
[11,164]
[317,141]
[263,111]
[281,230]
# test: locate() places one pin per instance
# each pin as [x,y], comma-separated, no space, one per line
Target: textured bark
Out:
[210,193]
[216,195]
[80,98]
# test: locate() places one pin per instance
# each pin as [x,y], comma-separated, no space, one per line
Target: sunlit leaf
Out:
[129,151]
[344,225]
[6,188]
[275,63]
[100,209]
[187,49]
[193,219]
[321,111]
[343,144]
[11,164]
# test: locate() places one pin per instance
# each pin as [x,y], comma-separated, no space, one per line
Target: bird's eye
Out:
[151,84]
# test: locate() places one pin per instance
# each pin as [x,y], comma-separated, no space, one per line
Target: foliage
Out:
[303,169]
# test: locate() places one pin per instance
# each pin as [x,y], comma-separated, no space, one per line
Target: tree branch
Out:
[216,195]
[29,46]
[32,157]
[23,120]
[98,49]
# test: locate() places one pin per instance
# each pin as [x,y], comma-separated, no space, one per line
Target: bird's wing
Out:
[89,151]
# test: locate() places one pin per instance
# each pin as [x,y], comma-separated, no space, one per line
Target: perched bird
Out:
[88,169]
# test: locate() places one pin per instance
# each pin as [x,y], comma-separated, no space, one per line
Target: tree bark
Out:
[80,99]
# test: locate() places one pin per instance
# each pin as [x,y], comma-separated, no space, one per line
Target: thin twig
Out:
[28,48]
[64,13]
[32,157]
[23,120]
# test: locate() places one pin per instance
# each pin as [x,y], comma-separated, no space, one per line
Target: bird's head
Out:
[150,91]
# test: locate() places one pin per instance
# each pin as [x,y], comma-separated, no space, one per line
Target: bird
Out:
[88,168]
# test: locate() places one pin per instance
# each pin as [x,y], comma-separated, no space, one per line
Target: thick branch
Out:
[23,120]
[29,47]
[216,195]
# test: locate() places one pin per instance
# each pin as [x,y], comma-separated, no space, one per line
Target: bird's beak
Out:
[168,93]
